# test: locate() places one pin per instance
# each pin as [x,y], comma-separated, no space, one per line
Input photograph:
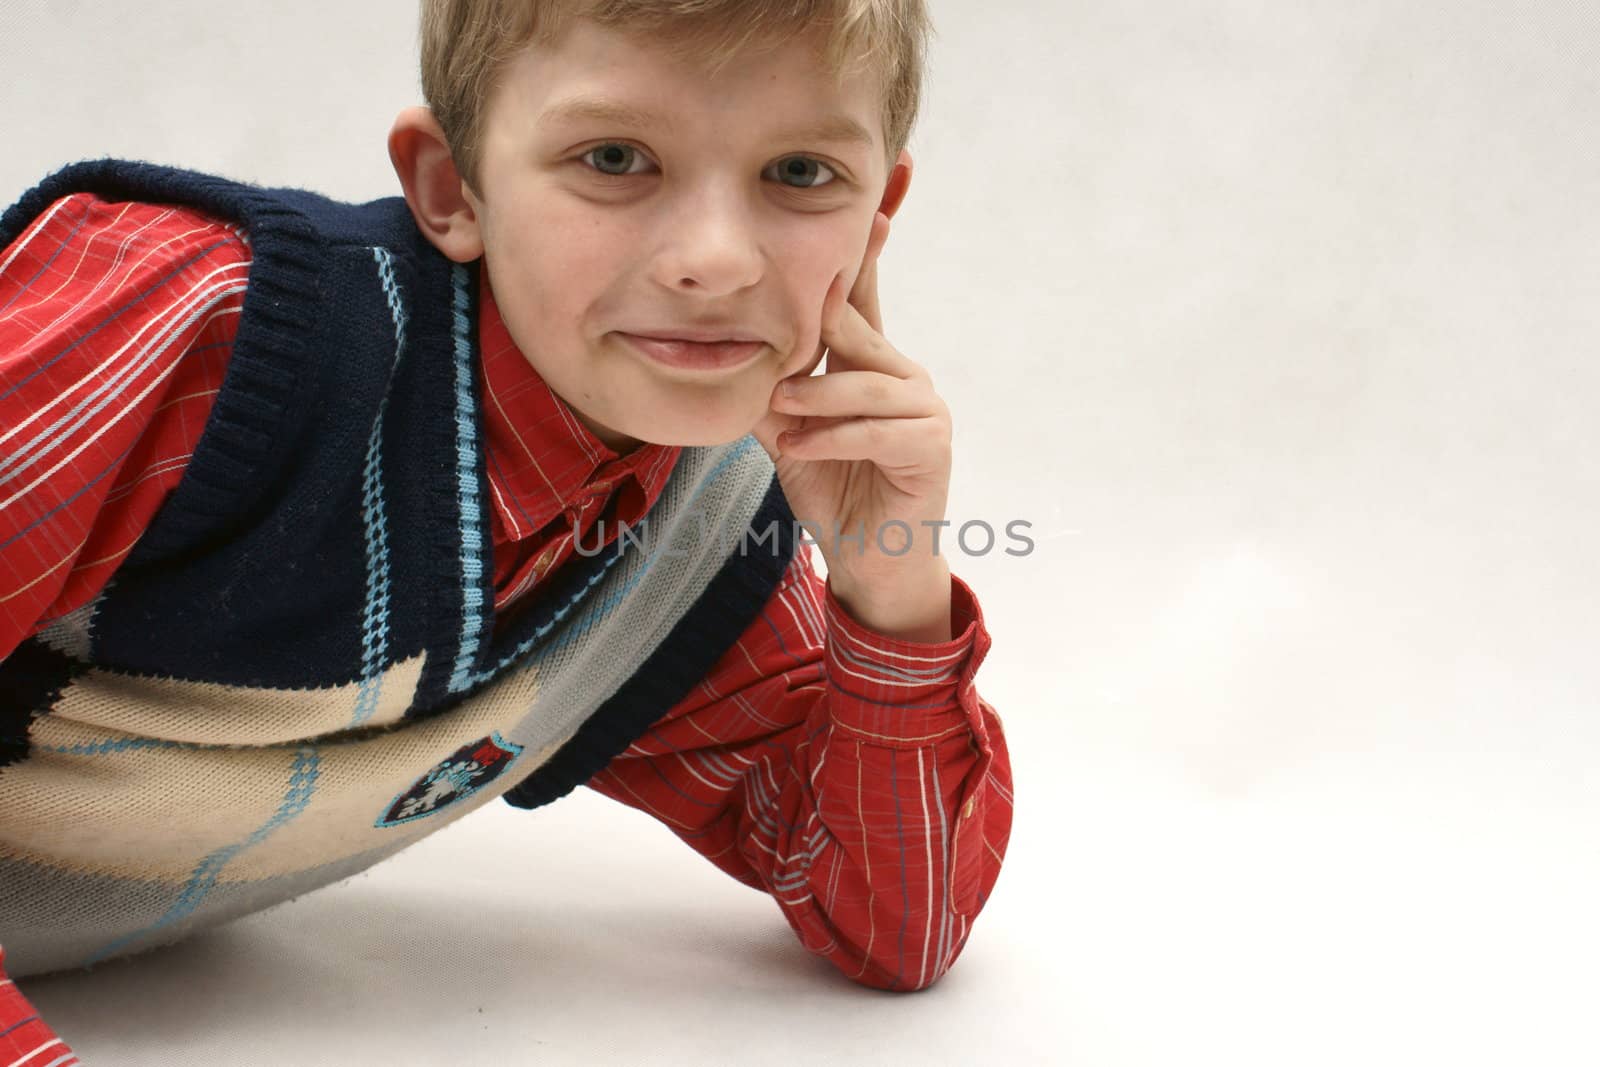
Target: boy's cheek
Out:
[806,358]
[803,362]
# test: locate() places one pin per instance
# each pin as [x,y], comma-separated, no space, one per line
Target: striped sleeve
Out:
[116,323]
[858,779]
[24,1037]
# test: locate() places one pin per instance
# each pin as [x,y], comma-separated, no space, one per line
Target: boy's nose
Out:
[710,248]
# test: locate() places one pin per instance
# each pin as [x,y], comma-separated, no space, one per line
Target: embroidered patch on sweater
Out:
[456,777]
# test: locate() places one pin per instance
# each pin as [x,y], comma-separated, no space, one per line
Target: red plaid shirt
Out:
[116,323]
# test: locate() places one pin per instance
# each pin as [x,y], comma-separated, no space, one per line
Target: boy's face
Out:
[713,213]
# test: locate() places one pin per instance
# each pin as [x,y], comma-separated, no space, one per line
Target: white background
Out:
[1279,322]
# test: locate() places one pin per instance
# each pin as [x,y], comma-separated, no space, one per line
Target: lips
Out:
[698,334]
[687,354]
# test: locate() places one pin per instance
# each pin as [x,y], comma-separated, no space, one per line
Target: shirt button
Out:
[966,812]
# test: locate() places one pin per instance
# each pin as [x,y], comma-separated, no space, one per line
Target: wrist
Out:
[913,607]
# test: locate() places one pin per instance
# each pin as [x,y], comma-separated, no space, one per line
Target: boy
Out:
[316,515]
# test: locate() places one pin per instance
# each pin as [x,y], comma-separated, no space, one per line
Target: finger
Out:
[775,425]
[854,345]
[855,394]
[768,428]
[864,293]
[775,421]
[889,443]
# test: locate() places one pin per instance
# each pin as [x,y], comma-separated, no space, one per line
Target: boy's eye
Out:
[613,155]
[803,167]
[616,160]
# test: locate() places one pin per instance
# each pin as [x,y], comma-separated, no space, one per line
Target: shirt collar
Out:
[541,459]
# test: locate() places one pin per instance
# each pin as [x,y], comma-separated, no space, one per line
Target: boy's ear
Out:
[438,198]
[894,190]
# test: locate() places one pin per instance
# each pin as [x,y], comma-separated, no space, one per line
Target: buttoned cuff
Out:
[906,694]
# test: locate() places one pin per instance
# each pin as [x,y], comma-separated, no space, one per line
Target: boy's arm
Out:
[116,323]
[24,1037]
[858,779]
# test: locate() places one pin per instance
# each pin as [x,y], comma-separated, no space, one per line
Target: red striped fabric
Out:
[25,1039]
[116,321]
[858,779]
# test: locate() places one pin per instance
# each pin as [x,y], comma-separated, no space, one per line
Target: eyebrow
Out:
[838,129]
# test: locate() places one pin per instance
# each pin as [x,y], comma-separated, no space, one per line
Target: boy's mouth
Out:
[713,333]
[687,354]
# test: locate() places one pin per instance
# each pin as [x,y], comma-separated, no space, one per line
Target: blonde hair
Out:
[466,43]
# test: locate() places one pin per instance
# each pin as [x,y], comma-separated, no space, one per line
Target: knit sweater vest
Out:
[298,672]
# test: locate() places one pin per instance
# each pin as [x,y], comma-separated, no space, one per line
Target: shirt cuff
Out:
[906,694]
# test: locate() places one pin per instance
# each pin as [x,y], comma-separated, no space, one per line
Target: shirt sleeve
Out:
[116,323]
[858,779]
[24,1037]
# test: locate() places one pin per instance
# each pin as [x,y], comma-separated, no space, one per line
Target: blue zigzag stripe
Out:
[605,607]
[471,542]
[375,618]
[302,783]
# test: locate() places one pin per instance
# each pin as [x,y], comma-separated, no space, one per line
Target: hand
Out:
[865,443]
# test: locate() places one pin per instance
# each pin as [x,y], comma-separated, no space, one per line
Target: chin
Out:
[694,433]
